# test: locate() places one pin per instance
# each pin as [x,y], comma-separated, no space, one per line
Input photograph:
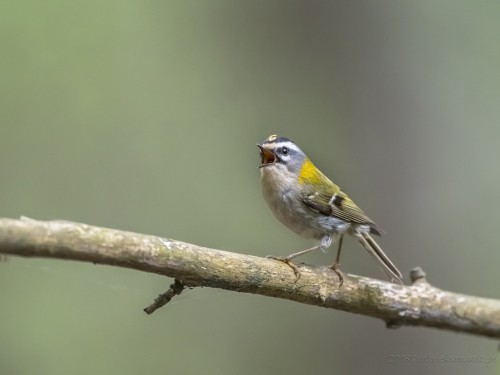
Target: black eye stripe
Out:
[283,144]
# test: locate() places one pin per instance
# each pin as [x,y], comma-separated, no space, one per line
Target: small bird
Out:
[307,202]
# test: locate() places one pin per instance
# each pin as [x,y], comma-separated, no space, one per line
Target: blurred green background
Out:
[144,115]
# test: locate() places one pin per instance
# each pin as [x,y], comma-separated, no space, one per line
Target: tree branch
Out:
[417,305]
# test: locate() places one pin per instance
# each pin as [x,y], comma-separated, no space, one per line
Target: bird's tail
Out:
[383,260]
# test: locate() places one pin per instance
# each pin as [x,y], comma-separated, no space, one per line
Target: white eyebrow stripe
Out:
[288,144]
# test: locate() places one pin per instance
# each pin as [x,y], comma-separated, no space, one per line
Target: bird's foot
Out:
[336,268]
[288,261]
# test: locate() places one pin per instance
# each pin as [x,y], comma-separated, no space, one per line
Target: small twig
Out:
[175,289]
[417,275]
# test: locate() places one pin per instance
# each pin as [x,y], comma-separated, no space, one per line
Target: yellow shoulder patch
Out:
[309,173]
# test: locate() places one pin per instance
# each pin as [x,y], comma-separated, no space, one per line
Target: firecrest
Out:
[307,202]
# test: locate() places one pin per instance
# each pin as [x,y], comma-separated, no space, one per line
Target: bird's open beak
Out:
[267,157]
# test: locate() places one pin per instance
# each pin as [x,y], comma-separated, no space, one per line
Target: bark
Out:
[419,304]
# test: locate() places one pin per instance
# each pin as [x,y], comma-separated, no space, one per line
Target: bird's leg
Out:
[336,266]
[326,241]
[287,259]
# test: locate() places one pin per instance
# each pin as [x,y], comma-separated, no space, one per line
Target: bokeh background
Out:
[144,115]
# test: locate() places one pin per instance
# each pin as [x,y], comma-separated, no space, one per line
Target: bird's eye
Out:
[284,150]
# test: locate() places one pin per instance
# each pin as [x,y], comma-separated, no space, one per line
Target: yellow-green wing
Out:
[334,202]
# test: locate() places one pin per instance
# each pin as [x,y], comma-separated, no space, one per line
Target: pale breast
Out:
[288,208]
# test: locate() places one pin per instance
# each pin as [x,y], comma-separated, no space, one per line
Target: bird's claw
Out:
[336,268]
[287,261]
